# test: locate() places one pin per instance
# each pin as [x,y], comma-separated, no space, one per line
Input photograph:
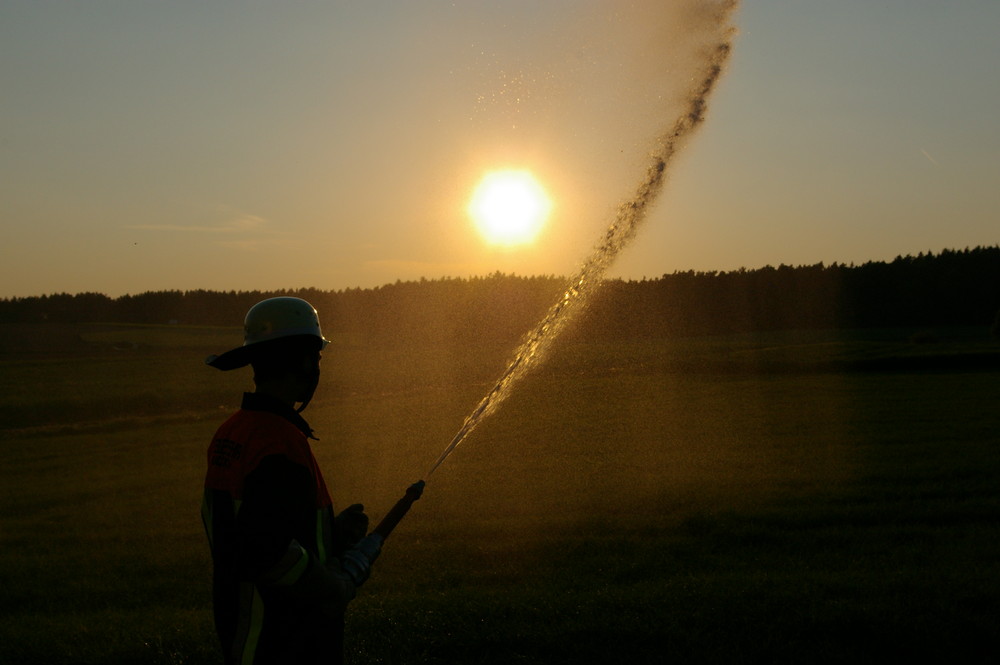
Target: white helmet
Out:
[269,320]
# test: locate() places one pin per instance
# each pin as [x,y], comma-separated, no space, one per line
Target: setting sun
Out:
[509,207]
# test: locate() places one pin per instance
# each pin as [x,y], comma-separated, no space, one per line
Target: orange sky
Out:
[256,146]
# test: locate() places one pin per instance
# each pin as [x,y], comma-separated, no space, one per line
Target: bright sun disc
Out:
[509,207]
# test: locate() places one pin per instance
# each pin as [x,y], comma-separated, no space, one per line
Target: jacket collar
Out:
[259,402]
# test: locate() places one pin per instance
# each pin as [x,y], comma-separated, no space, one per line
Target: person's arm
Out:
[278,504]
[275,495]
[301,575]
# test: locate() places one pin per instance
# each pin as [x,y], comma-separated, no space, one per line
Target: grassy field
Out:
[758,499]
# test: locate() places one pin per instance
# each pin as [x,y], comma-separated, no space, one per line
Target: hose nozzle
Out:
[393,517]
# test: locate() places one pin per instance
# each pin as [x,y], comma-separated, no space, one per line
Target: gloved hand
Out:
[357,561]
[328,587]
[352,524]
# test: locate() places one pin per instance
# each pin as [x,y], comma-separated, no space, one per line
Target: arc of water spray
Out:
[629,215]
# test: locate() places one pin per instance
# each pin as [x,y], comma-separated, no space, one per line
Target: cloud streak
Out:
[240,224]
[929,158]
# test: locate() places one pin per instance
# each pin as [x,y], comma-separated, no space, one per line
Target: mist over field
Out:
[769,465]
[632,499]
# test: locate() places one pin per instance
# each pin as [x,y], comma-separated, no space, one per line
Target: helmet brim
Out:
[242,356]
[232,359]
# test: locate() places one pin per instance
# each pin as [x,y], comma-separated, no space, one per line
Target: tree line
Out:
[950,288]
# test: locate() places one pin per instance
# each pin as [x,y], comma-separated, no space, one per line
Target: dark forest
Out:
[953,288]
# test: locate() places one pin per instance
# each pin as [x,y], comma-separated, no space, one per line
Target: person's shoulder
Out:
[257,424]
[260,434]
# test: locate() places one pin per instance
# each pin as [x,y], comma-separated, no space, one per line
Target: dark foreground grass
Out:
[617,510]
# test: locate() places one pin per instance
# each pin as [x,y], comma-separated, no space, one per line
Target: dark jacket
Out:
[269,521]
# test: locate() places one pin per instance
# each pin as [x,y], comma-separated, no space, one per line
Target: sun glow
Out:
[509,207]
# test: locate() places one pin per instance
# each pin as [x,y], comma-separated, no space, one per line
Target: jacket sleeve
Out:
[275,508]
[275,533]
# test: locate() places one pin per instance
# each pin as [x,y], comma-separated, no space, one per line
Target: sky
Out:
[150,146]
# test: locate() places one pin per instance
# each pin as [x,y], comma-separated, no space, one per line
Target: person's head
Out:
[288,367]
[282,341]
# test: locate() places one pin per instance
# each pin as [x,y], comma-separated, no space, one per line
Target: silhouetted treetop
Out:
[951,288]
